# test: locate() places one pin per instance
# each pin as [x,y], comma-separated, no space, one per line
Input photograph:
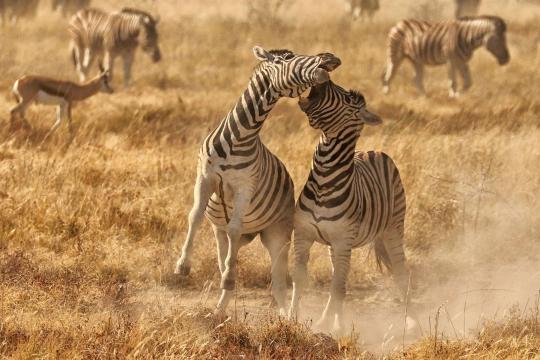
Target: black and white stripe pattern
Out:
[451,42]
[243,187]
[95,33]
[351,198]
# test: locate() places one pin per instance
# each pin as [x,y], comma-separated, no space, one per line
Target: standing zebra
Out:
[350,199]
[467,7]
[69,7]
[244,188]
[95,33]
[363,8]
[451,42]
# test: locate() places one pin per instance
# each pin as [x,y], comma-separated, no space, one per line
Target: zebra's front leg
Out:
[302,247]
[465,75]
[419,78]
[204,188]
[241,201]
[128,58]
[341,262]
[393,243]
[452,91]
[277,240]
[108,63]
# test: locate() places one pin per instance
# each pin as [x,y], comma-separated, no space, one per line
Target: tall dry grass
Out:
[89,230]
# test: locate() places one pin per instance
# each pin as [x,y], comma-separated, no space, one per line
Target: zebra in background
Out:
[69,7]
[97,34]
[13,10]
[451,42]
[363,8]
[467,7]
[350,199]
[244,188]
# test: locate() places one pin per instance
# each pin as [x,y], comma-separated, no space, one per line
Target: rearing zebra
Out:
[95,33]
[350,199]
[244,188]
[451,42]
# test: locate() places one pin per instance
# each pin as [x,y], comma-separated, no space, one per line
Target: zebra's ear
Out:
[262,54]
[370,118]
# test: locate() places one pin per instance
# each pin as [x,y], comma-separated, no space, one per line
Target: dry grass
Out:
[89,230]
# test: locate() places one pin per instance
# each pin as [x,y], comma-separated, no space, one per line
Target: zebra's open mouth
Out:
[329,61]
[313,97]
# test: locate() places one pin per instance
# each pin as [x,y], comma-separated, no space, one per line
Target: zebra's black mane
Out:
[280,52]
[499,23]
[128,10]
[357,95]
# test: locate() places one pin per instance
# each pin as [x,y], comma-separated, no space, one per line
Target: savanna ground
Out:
[89,231]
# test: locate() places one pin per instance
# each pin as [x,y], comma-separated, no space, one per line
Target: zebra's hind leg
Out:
[204,188]
[241,201]
[341,262]
[277,240]
[395,252]
[302,246]
[392,66]
[222,245]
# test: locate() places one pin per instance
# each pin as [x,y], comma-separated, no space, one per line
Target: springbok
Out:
[49,91]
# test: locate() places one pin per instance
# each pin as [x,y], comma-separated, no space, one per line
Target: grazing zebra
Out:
[363,8]
[69,7]
[451,42]
[350,199]
[13,10]
[467,7]
[95,33]
[243,187]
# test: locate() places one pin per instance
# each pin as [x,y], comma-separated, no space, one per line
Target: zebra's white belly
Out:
[47,99]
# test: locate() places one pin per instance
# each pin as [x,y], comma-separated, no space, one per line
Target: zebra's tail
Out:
[381,256]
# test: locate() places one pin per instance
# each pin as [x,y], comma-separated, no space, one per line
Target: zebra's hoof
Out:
[385,90]
[182,269]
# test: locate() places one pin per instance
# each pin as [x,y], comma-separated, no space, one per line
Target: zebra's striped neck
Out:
[471,35]
[333,159]
[245,120]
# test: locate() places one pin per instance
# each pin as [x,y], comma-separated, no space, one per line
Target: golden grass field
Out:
[90,231]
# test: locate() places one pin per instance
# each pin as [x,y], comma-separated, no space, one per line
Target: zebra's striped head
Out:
[148,35]
[333,109]
[493,30]
[496,40]
[291,74]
